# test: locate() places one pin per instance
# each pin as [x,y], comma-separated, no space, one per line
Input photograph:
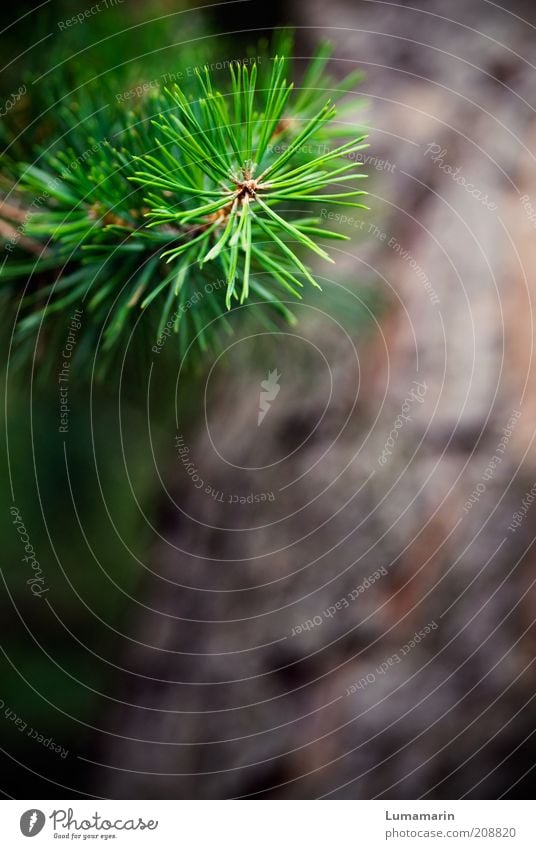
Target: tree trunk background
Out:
[218,699]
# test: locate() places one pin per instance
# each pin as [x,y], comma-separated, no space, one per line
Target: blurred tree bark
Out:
[220,699]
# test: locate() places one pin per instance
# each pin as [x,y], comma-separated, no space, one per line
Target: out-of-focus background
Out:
[345,609]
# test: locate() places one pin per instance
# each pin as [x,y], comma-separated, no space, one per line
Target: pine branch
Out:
[194,188]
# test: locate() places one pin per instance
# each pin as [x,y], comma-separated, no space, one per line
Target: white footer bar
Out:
[269,824]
